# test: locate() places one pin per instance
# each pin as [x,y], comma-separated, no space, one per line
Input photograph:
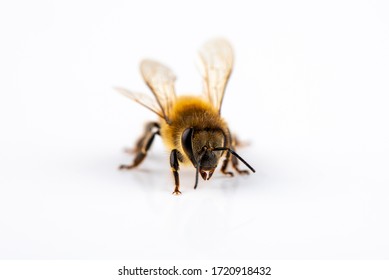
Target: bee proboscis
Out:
[191,126]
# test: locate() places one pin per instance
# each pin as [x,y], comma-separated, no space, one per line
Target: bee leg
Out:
[225,165]
[141,141]
[234,143]
[235,166]
[143,145]
[175,156]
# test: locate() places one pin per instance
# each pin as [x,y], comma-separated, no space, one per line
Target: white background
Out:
[309,92]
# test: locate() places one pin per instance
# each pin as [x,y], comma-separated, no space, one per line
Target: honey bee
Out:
[191,127]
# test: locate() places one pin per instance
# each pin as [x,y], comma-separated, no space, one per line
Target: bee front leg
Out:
[235,162]
[225,165]
[175,156]
[143,145]
[234,142]
[235,166]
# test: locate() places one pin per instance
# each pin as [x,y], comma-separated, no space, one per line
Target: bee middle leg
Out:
[143,145]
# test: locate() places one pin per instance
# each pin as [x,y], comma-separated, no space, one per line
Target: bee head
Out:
[199,145]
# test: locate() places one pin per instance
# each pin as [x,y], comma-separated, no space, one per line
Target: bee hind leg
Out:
[143,145]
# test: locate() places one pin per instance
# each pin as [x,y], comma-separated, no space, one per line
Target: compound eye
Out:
[186,142]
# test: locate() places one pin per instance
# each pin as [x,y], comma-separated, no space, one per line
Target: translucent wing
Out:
[160,79]
[142,99]
[217,60]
